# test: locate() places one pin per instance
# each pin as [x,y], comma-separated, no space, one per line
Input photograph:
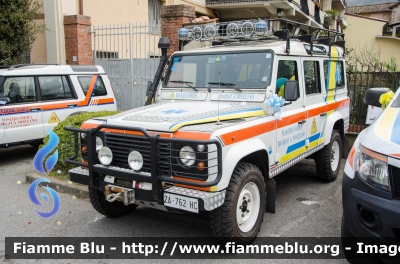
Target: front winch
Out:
[125,195]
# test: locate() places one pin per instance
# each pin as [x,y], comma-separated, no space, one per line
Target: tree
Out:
[18,29]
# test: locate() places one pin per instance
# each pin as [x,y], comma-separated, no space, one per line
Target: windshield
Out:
[229,70]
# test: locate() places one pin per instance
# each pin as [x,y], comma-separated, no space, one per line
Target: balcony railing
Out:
[230,2]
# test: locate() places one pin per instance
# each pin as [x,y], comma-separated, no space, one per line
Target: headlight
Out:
[83,135]
[372,168]
[135,160]
[187,156]
[105,156]
[99,143]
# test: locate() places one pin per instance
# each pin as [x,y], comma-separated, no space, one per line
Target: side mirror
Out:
[4,100]
[373,94]
[291,90]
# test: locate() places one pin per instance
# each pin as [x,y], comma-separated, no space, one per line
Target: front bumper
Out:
[369,212]
[208,201]
[149,186]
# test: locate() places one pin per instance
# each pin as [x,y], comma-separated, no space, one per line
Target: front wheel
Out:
[328,159]
[240,217]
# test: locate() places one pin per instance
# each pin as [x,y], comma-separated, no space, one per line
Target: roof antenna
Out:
[219,90]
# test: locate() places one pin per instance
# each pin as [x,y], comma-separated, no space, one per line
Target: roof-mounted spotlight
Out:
[183,34]
[260,27]
[247,29]
[232,30]
[197,33]
[209,32]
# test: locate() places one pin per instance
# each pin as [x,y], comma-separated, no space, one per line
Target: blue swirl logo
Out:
[43,152]
[35,200]
[49,164]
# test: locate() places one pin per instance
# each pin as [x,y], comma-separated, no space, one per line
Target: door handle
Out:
[301,122]
[72,105]
[35,109]
[323,114]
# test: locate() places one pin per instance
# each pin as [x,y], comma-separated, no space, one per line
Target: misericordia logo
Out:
[49,164]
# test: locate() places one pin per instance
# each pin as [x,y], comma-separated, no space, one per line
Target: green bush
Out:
[66,143]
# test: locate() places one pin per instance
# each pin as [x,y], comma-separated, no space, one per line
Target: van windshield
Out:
[230,70]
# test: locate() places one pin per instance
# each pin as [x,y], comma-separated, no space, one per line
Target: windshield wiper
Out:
[230,85]
[187,83]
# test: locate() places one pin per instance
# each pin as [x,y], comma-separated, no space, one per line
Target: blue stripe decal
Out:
[223,114]
[395,137]
[302,143]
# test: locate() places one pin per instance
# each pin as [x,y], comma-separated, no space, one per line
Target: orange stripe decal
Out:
[188,186]
[242,134]
[395,155]
[89,92]
[292,119]
[191,135]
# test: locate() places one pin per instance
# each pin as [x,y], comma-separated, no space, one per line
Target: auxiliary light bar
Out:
[225,30]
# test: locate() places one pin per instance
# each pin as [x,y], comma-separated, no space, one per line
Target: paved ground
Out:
[305,207]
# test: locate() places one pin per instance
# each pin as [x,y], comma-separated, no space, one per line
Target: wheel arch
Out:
[336,122]
[255,152]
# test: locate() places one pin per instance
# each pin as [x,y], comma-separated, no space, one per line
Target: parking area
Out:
[305,207]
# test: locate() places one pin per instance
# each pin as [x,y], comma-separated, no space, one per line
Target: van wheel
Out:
[114,209]
[328,159]
[240,217]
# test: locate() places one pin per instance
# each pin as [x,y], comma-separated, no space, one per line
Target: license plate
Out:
[181,202]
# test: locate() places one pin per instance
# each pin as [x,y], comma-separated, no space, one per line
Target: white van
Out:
[34,98]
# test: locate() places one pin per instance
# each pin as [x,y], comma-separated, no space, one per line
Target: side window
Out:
[287,70]
[312,77]
[99,88]
[19,89]
[54,87]
[334,74]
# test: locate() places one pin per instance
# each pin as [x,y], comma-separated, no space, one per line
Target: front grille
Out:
[121,145]
[395,175]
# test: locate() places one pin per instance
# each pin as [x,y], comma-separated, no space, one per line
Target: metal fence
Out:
[130,56]
[359,82]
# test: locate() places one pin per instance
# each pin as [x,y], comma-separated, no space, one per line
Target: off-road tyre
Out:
[114,209]
[246,181]
[328,159]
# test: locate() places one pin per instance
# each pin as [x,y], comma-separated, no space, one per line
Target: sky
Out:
[367,2]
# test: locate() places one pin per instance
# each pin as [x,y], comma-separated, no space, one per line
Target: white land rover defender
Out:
[225,120]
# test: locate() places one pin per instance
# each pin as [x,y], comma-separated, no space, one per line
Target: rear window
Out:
[334,74]
[99,88]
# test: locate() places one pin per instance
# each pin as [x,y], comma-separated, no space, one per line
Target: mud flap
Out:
[271,192]
[345,146]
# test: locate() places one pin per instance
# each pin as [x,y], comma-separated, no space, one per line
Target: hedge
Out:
[66,143]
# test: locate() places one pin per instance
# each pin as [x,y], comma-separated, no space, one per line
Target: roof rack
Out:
[261,30]
[12,67]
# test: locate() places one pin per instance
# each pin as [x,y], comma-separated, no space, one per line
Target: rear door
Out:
[315,103]
[21,112]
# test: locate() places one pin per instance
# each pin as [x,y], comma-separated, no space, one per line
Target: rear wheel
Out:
[329,158]
[110,209]
[240,217]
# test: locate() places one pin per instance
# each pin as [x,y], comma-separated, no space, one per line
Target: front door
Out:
[21,113]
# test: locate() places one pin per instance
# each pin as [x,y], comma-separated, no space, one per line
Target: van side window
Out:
[287,70]
[54,87]
[99,88]
[334,74]
[19,89]
[312,77]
